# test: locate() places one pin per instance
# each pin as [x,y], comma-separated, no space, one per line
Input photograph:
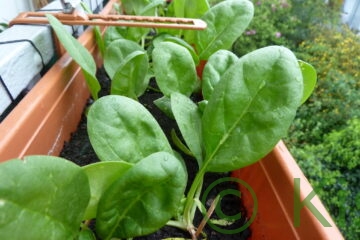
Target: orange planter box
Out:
[273,181]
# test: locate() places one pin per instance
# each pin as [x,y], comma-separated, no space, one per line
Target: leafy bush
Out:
[333,168]
[324,137]
[286,22]
[336,100]
[271,23]
[333,49]
[310,14]
[337,95]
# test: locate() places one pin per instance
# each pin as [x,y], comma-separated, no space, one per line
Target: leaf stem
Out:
[190,206]
[177,224]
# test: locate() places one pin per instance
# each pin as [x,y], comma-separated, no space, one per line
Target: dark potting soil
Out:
[80,151]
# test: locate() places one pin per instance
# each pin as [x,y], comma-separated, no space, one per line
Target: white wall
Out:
[10,9]
[351,13]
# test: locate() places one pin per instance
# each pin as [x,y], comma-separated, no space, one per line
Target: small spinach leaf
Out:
[170,61]
[127,65]
[112,34]
[216,66]
[79,53]
[309,77]
[121,129]
[188,118]
[226,22]
[131,78]
[164,37]
[117,52]
[190,9]
[164,104]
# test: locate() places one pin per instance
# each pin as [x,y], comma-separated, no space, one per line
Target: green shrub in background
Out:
[333,168]
[325,136]
[336,99]
[332,50]
[286,22]
[271,24]
[314,13]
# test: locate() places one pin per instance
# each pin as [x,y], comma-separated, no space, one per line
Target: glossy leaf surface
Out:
[226,22]
[251,108]
[174,69]
[122,129]
[144,199]
[49,201]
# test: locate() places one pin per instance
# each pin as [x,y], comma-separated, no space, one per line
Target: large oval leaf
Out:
[120,128]
[42,197]
[174,69]
[101,175]
[226,22]
[79,53]
[251,108]
[216,66]
[144,199]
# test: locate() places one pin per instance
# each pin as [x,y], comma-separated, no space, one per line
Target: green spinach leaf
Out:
[174,69]
[226,22]
[144,199]
[121,129]
[131,78]
[216,66]
[42,197]
[101,175]
[251,108]
[79,53]
[188,118]
[309,77]
[127,65]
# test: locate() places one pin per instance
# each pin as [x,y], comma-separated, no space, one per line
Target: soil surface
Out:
[80,151]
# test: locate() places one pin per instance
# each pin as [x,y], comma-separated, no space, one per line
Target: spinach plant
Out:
[250,105]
